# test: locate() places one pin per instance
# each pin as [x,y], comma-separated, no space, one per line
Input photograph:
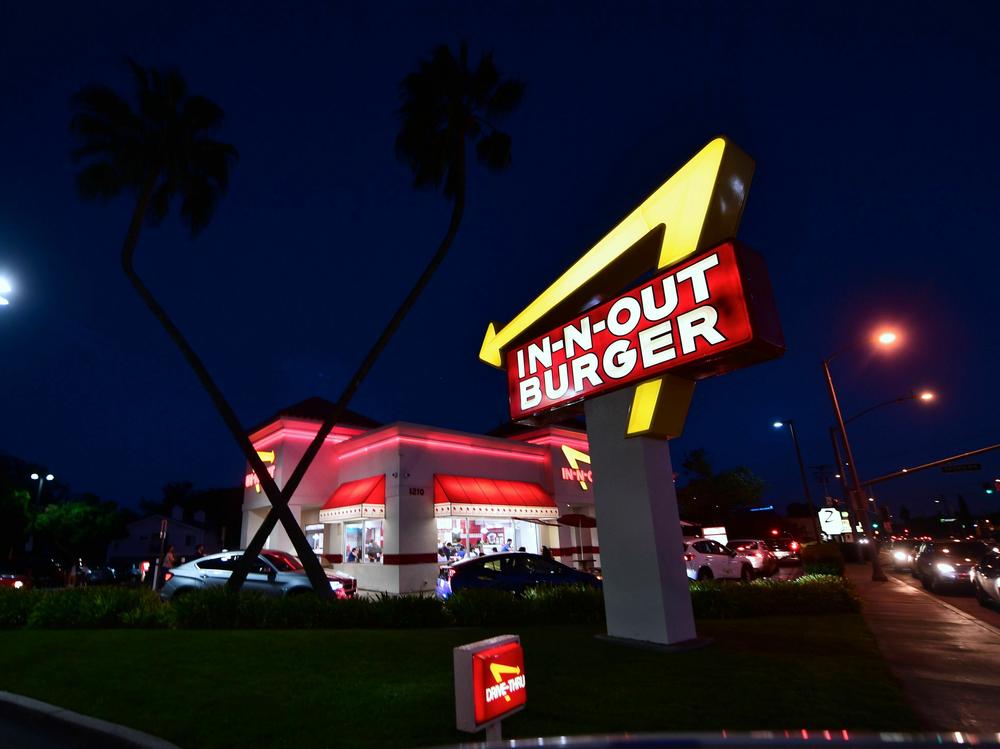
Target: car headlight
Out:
[18,584]
[901,556]
[335,585]
[945,569]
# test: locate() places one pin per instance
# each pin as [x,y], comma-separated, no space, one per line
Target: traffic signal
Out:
[992,487]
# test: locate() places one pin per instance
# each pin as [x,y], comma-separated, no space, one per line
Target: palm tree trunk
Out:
[295,533]
[260,537]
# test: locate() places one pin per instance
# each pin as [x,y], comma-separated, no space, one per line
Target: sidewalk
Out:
[947,661]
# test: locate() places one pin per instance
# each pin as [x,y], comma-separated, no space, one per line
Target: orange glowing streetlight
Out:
[887,337]
[926,395]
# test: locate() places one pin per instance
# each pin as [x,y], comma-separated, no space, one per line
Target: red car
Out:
[291,563]
[13,578]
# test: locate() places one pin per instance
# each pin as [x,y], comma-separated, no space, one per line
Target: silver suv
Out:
[275,574]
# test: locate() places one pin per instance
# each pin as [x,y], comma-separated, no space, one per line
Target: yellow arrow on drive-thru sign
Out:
[698,207]
[266,455]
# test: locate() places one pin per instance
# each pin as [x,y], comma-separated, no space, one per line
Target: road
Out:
[959,598]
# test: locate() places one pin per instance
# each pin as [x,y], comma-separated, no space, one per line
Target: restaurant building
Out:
[379,501]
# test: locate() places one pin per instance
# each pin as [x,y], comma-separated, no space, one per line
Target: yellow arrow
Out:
[575,457]
[699,206]
[498,670]
[266,455]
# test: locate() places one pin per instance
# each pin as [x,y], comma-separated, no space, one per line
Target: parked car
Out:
[785,549]
[941,564]
[286,562]
[512,571]
[901,554]
[763,560]
[100,575]
[273,575]
[707,559]
[14,576]
[986,579]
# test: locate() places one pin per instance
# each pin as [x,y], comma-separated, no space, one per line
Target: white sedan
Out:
[709,560]
[764,561]
[986,579]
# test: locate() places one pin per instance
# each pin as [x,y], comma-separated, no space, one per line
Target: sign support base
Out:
[646,594]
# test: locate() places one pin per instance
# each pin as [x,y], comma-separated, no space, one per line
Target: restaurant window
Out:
[364,541]
[314,535]
[480,536]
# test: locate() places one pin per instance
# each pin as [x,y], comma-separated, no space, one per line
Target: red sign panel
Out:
[498,682]
[708,315]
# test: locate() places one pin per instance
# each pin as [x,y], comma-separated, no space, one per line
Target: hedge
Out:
[91,608]
[822,559]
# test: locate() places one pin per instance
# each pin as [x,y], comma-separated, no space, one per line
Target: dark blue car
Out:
[513,571]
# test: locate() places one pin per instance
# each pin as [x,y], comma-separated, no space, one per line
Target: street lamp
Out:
[884,338]
[41,480]
[924,396]
[5,289]
[802,472]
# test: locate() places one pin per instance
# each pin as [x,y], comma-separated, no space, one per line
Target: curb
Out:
[101,732]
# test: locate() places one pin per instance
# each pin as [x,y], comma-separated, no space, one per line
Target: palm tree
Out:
[447,106]
[162,151]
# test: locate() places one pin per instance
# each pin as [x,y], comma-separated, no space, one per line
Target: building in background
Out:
[379,501]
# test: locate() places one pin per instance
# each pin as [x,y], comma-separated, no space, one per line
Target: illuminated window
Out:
[364,541]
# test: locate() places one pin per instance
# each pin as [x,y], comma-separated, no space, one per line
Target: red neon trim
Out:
[550,441]
[429,442]
[470,490]
[369,491]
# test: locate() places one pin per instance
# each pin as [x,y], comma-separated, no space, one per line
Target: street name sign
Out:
[961,467]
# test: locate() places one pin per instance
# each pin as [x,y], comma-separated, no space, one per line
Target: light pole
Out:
[38,502]
[924,396]
[885,338]
[802,473]
[41,480]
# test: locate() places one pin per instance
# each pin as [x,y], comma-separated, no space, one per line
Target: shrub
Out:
[16,606]
[822,559]
[807,595]
[565,604]
[90,608]
[483,607]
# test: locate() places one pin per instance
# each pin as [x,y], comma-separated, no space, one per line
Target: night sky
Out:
[874,200]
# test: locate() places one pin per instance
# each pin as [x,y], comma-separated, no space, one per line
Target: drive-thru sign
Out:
[490,682]
[697,304]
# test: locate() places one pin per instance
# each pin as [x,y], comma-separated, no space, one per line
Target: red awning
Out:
[369,491]
[472,495]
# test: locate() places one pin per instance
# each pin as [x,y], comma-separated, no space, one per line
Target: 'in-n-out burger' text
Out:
[692,311]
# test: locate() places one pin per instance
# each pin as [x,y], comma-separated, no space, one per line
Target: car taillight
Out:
[689,557]
[167,576]
[758,554]
[794,545]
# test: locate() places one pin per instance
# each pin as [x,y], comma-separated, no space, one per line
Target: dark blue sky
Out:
[874,199]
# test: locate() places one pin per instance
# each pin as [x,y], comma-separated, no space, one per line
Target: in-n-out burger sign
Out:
[708,310]
[704,316]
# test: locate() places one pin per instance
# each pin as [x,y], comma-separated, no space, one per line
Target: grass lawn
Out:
[394,688]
